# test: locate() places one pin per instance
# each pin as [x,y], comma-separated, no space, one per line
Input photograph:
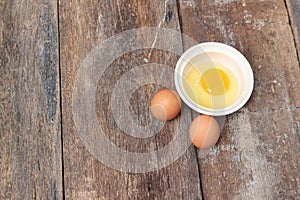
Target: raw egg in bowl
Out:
[214,79]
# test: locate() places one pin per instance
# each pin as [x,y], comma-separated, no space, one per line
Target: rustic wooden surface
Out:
[256,153]
[84,176]
[30,136]
[257,156]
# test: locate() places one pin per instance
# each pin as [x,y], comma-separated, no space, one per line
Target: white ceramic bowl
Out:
[226,56]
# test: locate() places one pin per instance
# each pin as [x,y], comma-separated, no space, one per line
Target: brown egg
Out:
[204,131]
[165,104]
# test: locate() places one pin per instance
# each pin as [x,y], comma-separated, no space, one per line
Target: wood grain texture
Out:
[294,13]
[84,24]
[257,156]
[30,144]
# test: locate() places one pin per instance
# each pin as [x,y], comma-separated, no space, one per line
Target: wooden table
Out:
[44,43]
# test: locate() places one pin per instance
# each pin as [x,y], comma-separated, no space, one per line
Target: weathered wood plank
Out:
[30,137]
[84,25]
[257,156]
[294,13]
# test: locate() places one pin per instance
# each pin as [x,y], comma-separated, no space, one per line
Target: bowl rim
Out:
[235,55]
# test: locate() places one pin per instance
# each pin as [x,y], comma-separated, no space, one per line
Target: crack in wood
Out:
[199,173]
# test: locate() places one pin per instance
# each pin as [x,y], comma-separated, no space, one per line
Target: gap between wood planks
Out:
[60,101]
[195,150]
[294,32]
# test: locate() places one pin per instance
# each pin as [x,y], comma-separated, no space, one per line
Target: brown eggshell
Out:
[204,131]
[165,105]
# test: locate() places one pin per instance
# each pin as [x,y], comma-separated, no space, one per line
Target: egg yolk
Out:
[215,81]
[211,85]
